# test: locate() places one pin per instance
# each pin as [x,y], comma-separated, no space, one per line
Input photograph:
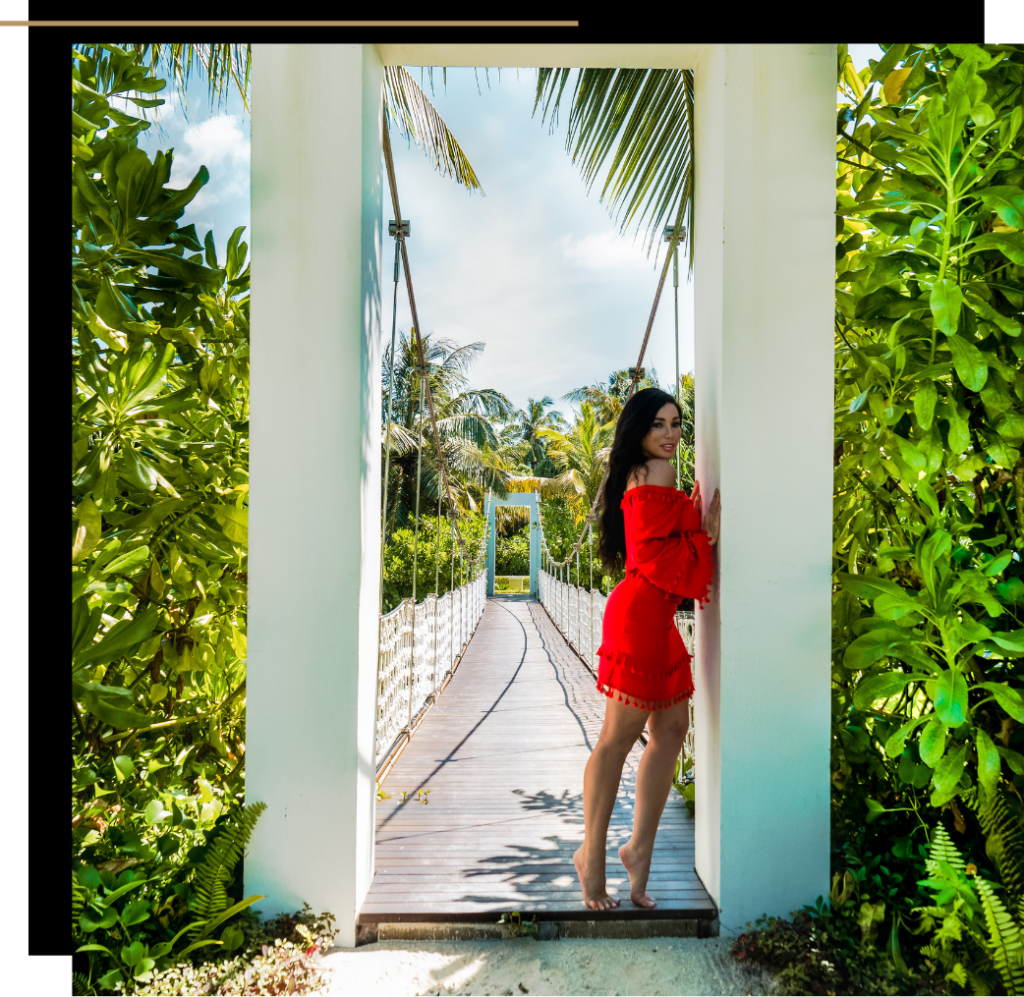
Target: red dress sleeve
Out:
[665,542]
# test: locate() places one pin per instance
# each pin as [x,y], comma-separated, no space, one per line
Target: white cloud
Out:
[603,251]
[219,144]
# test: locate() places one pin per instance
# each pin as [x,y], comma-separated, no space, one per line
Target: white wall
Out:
[765,121]
[315,474]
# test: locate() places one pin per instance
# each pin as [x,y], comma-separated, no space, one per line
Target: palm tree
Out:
[651,172]
[608,399]
[580,456]
[476,453]
[529,421]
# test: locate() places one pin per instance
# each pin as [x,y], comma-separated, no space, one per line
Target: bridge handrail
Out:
[579,614]
[420,646]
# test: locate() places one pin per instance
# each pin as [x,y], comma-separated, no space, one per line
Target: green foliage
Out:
[478,453]
[646,116]
[929,480]
[279,956]
[517,927]
[682,779]
[512,555]
[81,987]
[434,558]
[128,909]
[530,421]
[977,936]
[210,901]
[160,430]
[830,949]
[580,454]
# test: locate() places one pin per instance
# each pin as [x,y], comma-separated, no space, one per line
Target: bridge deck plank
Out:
[502,753]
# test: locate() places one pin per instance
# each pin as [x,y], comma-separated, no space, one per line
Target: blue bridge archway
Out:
[532,501]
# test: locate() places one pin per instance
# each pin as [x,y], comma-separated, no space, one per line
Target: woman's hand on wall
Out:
[711,522]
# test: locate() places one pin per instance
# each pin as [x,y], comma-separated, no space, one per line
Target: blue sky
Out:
[535,268]
[220,140]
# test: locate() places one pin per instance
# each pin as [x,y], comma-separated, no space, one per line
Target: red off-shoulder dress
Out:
[668,558]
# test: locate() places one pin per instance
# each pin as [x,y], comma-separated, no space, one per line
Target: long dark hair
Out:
[634,423]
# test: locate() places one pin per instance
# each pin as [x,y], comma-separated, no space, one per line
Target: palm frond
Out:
[81,986]
[78,898]
[486,401]
[468,425]
[224,64]
[942,850]
[407,105]
[646,117]
[402,440]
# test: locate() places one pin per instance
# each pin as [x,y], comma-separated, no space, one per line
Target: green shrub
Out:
[143,914]
[434,561]
[279,956]
[929,478]
[512,555]
[829,950]
[975,926]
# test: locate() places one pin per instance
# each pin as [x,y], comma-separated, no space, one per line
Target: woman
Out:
[658,534]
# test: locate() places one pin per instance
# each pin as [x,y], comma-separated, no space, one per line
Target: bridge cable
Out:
[400,237]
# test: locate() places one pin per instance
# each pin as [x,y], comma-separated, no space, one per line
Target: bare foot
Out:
[639,869]
[595,896]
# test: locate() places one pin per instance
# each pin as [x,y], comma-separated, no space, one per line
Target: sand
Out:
[642,966]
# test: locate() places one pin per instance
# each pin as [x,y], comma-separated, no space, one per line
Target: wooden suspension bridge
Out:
[480,794]
[484,805]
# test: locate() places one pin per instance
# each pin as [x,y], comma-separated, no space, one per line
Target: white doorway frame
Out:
[763,276]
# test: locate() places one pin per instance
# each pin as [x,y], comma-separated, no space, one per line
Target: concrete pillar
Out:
[315,475]
[489,512]
[534,544]
[765,155]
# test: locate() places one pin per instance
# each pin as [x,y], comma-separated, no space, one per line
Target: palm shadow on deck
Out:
[500,758]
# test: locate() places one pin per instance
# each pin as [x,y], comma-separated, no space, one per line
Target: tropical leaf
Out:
[413,114]
[644,119]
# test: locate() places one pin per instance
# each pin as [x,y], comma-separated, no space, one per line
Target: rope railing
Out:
[578,615]
[421,645]
[401,230]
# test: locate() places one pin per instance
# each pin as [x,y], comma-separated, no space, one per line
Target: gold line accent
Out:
[289,24]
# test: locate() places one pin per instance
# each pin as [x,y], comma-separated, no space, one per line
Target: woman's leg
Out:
[667,731]
[622,726]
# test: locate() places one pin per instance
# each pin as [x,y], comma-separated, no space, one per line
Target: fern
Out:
[81,987]
[943,850]
[1005,940]
[215,870]
[78,896]
[1004,841]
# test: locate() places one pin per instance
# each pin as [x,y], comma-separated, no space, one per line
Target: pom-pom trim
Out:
[644,704]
